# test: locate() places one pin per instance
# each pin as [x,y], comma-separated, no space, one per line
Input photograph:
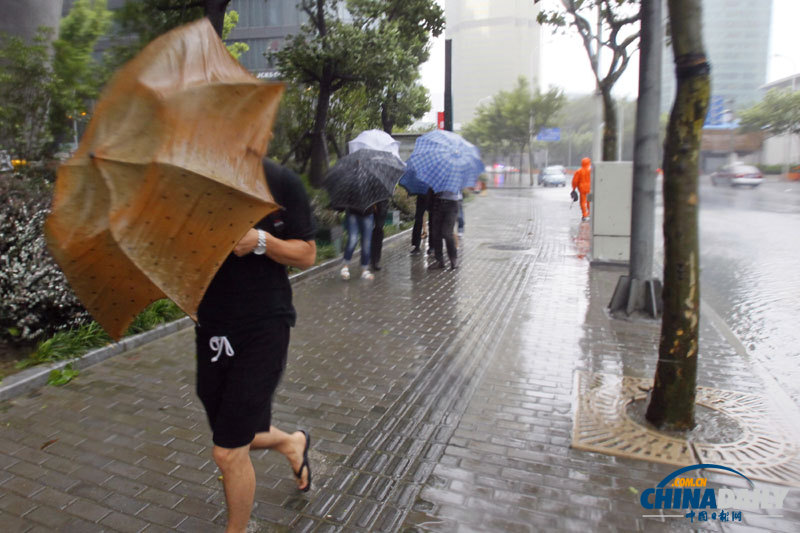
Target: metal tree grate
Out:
[766,450]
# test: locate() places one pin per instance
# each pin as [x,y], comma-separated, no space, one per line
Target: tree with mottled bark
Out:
[672,399]
[616,31]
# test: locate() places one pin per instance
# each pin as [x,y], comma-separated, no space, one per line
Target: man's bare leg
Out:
[291,446]
[239,481]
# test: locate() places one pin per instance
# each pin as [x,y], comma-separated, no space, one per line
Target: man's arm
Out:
[291,252]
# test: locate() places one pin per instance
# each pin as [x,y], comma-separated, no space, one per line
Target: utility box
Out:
[612,190]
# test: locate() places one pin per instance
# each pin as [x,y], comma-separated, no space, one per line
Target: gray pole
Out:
[597,140]
[637,291]
[23,17]
[645,150]
[448,84]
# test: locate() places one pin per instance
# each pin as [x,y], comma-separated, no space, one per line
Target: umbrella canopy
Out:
[445,161]
[374,140]
[362,179]
[167,178]
[411,183]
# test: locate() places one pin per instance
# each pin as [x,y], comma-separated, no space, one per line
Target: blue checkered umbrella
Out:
[411,183]
[445,161]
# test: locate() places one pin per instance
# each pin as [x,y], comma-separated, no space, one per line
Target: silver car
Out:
[553,176]
[735,174]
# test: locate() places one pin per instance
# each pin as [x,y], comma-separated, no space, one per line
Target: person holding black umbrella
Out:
[379,215]
[359,225]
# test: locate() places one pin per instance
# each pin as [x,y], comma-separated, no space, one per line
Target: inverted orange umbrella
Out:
[167,178]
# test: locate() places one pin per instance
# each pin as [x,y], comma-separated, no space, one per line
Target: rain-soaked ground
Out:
[436,401]
[750,270]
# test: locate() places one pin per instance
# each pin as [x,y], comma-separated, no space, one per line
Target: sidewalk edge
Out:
[35,377]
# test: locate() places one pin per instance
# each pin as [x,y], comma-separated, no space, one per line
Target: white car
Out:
[736,174]
[553,176]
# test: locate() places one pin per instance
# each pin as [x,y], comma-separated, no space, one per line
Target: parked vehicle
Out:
[553,176]
[737,174]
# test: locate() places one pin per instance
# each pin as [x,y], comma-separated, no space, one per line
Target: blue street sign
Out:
[716,111]
[549,134]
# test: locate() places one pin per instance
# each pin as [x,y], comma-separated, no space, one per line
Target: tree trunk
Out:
[673,397]
[215,11]
[319,145]
[387,120]
[609,125]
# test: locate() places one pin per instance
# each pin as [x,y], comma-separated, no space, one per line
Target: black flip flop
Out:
[299,473]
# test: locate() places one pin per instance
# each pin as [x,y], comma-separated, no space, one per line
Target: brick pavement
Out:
[436,401]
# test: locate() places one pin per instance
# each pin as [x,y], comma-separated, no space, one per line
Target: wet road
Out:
[750,270]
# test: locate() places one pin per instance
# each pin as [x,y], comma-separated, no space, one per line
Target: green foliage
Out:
[401,99]
[778,113]
[138,22]
[159,312]
[231,20]
[26,84]
[504,125]
[378,49]
[62,376]
[76,341]
[67,344]
[79,76]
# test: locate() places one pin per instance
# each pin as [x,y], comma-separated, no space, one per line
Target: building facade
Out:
[736,34]
[264,26]
[493,43]
[22,18]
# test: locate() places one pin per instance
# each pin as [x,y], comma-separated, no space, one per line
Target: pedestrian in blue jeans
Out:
[358,224]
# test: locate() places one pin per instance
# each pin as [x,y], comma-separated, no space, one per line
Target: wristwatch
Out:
[261,246]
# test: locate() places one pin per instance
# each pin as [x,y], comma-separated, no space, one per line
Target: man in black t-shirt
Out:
[242,340]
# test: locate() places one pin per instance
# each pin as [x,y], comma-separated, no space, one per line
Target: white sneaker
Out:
[345,273]
[366,274]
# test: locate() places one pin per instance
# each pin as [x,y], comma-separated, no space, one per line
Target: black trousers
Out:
[443,219]
[381,208]
[419,216]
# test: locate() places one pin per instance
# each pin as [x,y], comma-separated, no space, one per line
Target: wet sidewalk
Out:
[436,401]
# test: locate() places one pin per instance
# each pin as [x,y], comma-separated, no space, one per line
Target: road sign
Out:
[549,134]
[716,111]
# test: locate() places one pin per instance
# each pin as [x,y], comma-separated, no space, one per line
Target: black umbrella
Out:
[362,179]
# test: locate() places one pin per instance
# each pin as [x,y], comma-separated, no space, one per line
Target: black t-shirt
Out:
[246,290]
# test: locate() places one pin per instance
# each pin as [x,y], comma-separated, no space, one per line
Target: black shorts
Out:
[236,390]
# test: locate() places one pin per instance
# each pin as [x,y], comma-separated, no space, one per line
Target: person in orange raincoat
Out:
[582,180]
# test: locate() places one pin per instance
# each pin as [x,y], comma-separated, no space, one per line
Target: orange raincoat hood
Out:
[582,179]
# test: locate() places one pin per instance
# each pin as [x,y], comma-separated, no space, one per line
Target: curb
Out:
[35,377]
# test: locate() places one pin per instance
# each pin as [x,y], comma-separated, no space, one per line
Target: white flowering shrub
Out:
[36,299]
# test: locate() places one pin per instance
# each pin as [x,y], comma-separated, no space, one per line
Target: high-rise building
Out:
[23,18]
[736,35]
[493,43]
[264,26]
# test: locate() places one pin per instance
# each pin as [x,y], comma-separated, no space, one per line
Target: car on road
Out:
[736,174]
[553,176]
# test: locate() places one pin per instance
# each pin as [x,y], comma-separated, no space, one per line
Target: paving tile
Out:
[124,523]
[437,402]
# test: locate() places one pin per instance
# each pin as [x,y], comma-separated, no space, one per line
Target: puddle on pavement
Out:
[712,426]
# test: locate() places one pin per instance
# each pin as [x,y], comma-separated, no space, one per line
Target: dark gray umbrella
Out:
[362,179]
